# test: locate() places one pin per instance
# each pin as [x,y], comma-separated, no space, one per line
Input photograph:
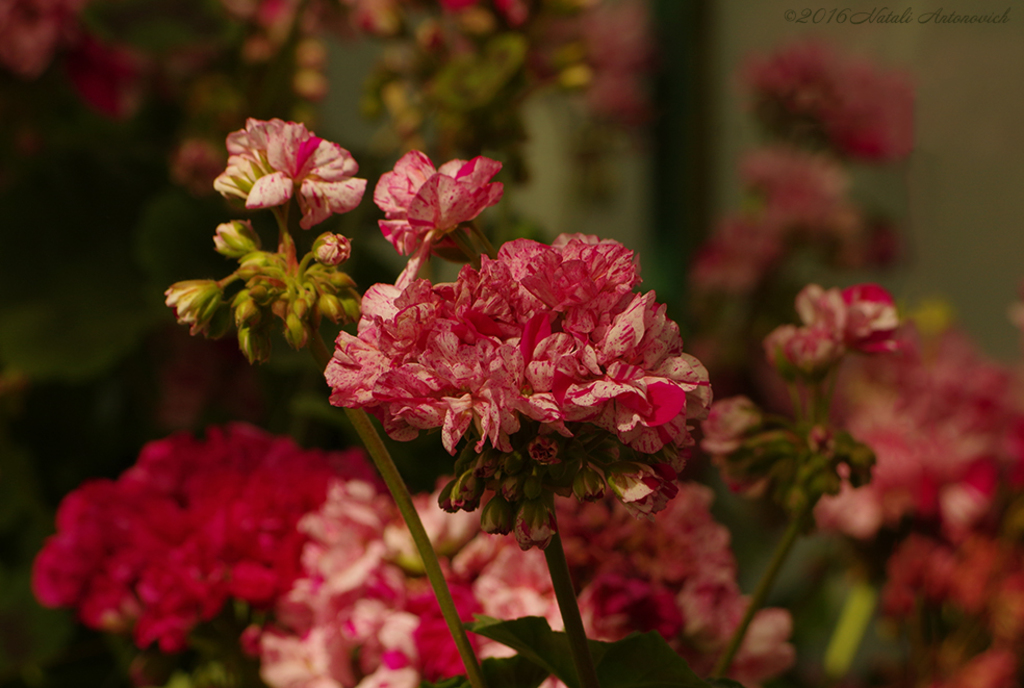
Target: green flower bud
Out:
[513,462]
[589,485]
[497,516]
[532,487]
[295,331]
[255,344]
[247,313]
[330,308]
[195,302]
[235,239]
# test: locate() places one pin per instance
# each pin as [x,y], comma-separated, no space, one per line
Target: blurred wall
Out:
[962,189]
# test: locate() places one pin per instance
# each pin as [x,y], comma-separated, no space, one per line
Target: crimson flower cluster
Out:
[547,363]
[193,523]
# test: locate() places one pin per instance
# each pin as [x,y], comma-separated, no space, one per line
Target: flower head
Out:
[271,161]
[422,204]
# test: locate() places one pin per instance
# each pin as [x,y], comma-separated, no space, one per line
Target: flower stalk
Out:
[565,593]
[764,586]
[396,485]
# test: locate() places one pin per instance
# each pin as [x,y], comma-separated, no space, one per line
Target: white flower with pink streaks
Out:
[548,332]
[272,161]
[422,204]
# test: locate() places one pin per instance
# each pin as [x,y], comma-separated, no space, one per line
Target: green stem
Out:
[484,241]
[461,240]
[565,593]
[393,479]
[764,586]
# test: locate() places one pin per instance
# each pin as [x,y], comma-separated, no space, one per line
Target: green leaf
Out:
[637,661]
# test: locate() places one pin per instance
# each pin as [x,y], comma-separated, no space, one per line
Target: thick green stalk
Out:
[565,593]
[764,586]
[393,479]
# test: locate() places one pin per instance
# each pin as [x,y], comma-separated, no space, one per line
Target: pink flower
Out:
[108,78]
[422,203]
[805,351]
[801,192]
[31,30]
[871,319]
[191,524]
[270,161]
[727,422]
[618,42]
[644,490]
[861,111]
[739,254]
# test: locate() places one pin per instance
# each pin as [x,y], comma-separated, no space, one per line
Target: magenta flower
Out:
[271,161]
[190,525]
[423,204]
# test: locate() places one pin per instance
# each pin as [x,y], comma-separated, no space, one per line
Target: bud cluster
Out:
[275,285]
[799,462]
[517,488]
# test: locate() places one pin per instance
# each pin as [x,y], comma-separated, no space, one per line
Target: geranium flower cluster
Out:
[800,197]
[943,423]
[192,524]
[807,93]
[537,359]
[360,616]
[862,318]
[973,596]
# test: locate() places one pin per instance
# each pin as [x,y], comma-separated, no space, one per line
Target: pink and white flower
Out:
[272,161]
[422,204]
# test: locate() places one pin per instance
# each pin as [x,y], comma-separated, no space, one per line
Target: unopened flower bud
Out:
[512,488]
[643,489]
[589,485]
[332,249]
[513,462]
[467,491]
[295,332]
[544,450]
[255,344]
[351,307]
[235,239]
[497,516]
[532,487]
[330,307]
[444,498]
[534,524]
[487,463]
[194,302]
[247,313]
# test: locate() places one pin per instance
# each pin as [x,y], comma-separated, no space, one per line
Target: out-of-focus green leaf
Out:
[637,661]
[473,81]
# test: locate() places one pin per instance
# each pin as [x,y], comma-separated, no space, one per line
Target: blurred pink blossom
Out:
[861,111]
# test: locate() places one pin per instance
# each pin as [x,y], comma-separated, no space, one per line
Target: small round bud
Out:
[332,249]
